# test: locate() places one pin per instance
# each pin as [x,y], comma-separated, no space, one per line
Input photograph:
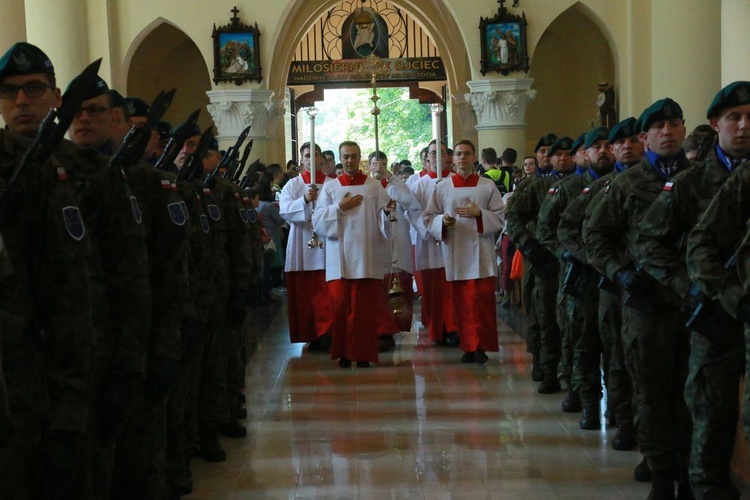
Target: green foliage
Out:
[405,126]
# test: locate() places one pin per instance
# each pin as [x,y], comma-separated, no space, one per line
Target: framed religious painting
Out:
[503,41]
[236,52]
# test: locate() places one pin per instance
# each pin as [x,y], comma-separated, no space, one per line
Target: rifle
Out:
[173,147]
[195,163]
[708,315]
[241,167]
[643,304]
[49,135]
[576,272]
[544,263]
[228,159]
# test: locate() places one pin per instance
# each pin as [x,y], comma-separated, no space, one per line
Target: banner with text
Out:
[360,70]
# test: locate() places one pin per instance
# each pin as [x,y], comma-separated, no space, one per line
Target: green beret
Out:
[577,145]
[546,140]
[734,94]
[594,135]
[25,59]
[663,109]
[137,107]
[563,143]
[99,87]
[623,130]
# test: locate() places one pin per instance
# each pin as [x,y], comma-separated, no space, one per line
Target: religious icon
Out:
[236,52]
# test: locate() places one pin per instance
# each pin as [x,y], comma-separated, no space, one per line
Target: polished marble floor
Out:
[420,425]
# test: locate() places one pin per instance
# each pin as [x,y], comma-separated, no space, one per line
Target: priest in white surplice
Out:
[352,216]
[465,212]
[309,307]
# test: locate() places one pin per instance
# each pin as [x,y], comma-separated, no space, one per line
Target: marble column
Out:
[500,107]
[233,110]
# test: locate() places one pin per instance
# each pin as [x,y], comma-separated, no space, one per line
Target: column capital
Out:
[234,109]
[500,103]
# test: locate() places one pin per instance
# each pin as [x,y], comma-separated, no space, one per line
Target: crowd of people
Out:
[132,252]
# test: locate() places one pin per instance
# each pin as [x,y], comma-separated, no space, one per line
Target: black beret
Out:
[663,109]
[25,59]
[164,129]
[624,129]
[137,107]
[546,140]
[594,135]
[196,130]
[213,145]
[734,94]
[561,144]
[99,87]
[118,101]
[577,144]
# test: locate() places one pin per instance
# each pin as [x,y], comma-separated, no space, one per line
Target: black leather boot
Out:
[590,419]
[550,384]
[572,402]
[537,375]
[625,438]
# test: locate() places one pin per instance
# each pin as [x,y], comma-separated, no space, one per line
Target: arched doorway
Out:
[165,58]
[571,58]
[430,14]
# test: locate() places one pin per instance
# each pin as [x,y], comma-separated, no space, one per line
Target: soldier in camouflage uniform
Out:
[582,328]
[525,209]
[716,354]
[45,314]
[533,338]
[653,334]
[627,150]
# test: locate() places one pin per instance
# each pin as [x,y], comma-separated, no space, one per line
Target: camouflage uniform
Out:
[121,303]
[721,231]
[664,423]
[525,209]
[581,345]
[47,333]
[139,467]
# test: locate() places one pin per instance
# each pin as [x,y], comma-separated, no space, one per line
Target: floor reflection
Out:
[418,425]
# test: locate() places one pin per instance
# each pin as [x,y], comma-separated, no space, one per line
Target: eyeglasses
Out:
[93,110]
[31,89]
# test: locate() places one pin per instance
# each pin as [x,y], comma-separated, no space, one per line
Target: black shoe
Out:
[550,384]
[313,346]
[571,403]
[240,412]
[624,439]
[363,364]
[452,339]
[662,487]
[537,374]
[325,342]
[233,430]
[344,363]
[480,357]
[213,455]
[241,398]
[210,449]
[468,357]
[386,343]
[590,420]
[642,473]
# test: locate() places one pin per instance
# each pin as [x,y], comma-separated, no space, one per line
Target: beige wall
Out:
[658,47]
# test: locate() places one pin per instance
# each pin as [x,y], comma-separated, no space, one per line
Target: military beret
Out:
[178,129]
[164,129]
[734,94]
[118,101]
[561,144]
[25,59]
[546,140]
[98,88]
[137,107]
[213,145]
[577,144]
[624,129]
[594,135]
[663,109]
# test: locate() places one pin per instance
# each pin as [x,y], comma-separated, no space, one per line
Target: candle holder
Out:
[314,242]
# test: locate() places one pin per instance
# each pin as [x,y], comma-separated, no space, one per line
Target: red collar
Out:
[433,174]
[422,173]
[471,180]
[384,182]
[319,177]
[357,180]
